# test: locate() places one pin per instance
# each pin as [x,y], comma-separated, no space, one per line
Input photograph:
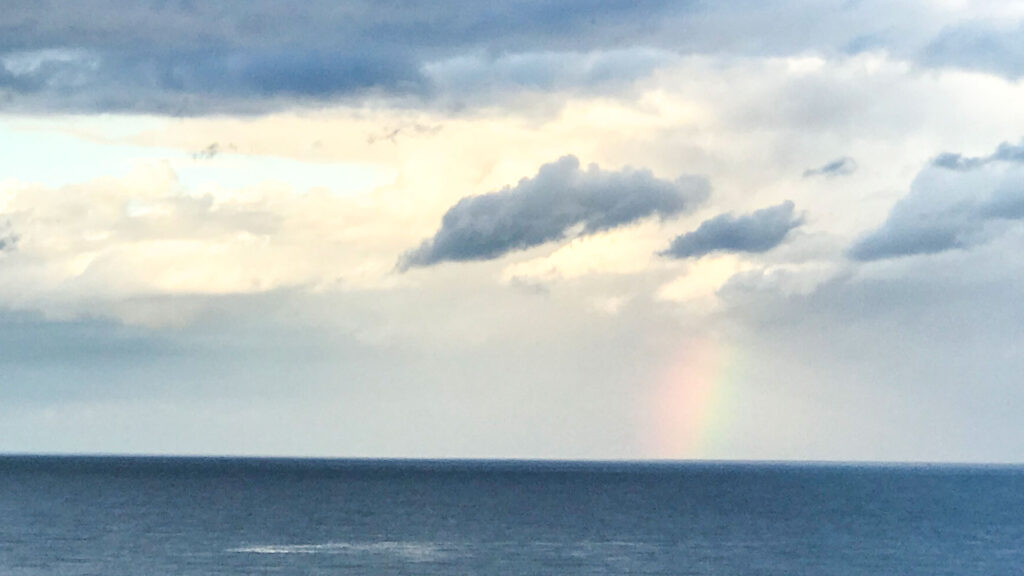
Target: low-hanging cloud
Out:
[758,231]
[956,202]
[560,198]
[839,167]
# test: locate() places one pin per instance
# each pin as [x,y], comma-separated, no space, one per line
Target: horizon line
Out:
[514,460]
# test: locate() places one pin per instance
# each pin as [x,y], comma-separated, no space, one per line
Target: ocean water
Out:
[151,516]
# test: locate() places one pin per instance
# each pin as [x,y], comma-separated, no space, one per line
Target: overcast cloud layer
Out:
[755,230]
[198,58]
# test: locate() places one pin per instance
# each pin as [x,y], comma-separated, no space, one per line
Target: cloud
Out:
[547,207]
[839,167]
[8,238]
[488,77]
[1006,152]
[196,58]
[208,153]
[978,46]
[8,242]
[758,231]
[210,79]
[942,332]
[94,247]
[956,202]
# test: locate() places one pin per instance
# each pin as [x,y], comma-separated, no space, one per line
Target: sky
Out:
[772,230]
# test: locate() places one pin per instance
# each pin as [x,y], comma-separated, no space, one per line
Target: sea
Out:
[65,516]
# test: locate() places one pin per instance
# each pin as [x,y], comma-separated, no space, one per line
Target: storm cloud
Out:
[758,231]
[547,207]
[956,202]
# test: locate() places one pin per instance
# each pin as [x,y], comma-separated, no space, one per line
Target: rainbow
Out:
[685,409]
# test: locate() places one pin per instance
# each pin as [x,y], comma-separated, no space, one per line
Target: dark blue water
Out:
[112,516]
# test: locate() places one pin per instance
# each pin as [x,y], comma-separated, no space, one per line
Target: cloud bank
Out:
[758,231]
[547,207]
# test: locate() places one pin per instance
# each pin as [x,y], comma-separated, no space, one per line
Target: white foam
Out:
[408,551]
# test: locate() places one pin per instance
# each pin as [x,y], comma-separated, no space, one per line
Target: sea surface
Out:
[171,516]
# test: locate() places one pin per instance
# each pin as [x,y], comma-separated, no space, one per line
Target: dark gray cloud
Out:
[199,57]
[509,25]
[492,78]
[758,231]
[955,202]
[977,46]
[839,167]
[186,57]
[191,81]
[561,197]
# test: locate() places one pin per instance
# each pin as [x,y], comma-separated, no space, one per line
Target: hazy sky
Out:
[578,229]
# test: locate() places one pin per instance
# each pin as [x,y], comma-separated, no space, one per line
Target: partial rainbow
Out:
[686,410]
